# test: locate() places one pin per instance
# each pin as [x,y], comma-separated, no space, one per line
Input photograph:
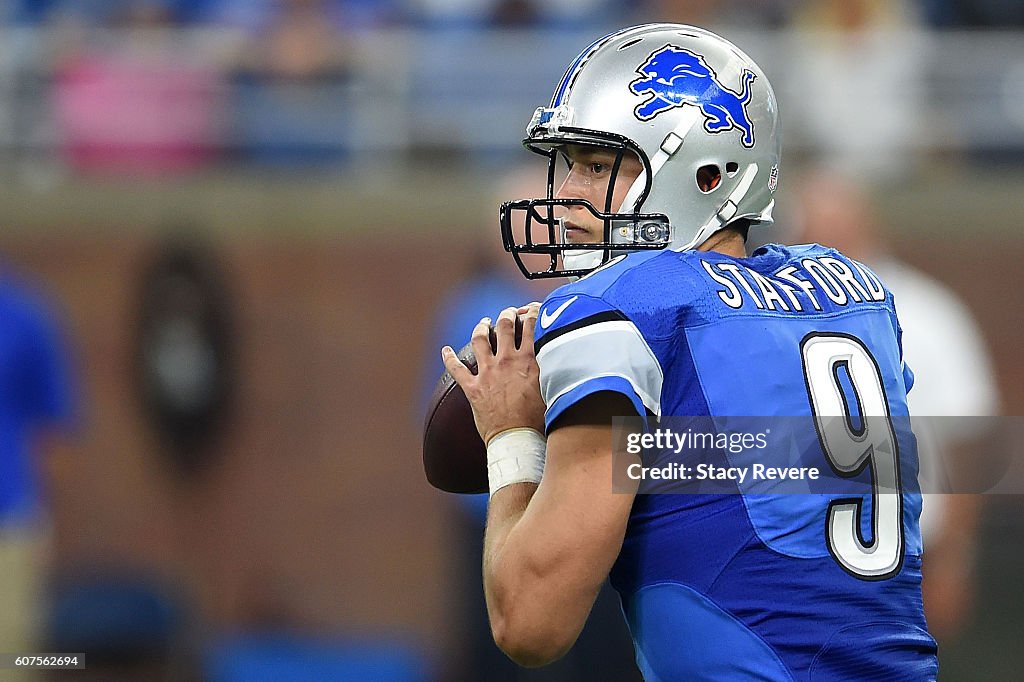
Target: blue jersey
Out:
[752,586]
[35,393]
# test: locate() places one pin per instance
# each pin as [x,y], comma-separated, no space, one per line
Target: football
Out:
[454,455]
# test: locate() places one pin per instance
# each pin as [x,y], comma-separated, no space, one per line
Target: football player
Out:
[662,144]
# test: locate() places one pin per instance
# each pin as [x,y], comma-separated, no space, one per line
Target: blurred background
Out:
[236,232]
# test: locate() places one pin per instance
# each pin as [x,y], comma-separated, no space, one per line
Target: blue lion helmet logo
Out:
[674,77]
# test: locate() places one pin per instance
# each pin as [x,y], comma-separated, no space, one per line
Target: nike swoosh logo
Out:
[546,319]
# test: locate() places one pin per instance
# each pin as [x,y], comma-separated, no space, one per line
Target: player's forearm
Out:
[502,578]
[534,597]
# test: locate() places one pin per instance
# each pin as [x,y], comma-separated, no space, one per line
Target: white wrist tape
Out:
[515,456]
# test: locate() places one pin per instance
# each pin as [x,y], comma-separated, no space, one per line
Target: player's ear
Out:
[708,177]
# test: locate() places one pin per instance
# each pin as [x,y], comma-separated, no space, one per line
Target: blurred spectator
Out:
[456,14]
[758,14]
[24,11]
[109,12]
[515,14]
[495,284]
[300,40]
[997,14]
[575,14]
[36,415]
[944,347]
[856,84]
[106,12]
[291,86]
[257,16]
[144,104]
[452,13]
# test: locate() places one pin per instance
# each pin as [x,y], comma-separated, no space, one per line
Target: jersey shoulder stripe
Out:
[577,324]
[586,345]
[612,348]
[565,309]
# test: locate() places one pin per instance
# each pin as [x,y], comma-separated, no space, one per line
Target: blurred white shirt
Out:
[952,373]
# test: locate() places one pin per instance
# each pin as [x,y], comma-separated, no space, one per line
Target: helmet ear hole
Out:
[731,168]
[708,178]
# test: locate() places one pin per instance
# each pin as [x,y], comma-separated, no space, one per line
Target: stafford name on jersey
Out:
[796,288]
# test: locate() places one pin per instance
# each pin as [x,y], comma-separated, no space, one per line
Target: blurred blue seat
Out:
[289,657]
[114,618]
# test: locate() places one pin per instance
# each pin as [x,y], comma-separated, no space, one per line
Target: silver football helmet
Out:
[686,102]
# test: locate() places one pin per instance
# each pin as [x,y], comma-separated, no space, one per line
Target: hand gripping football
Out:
[454,455]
